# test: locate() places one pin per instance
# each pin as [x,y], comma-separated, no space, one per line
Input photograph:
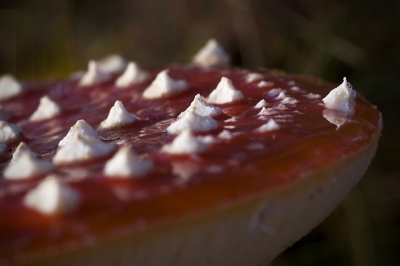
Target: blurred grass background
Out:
[330,39]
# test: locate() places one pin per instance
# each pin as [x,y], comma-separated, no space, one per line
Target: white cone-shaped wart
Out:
[341,98]
[281,96]
[251,77]
[164,86]
[21,149]
[211,54]
[261,104]
[132,75]
[46,109]
[82,148]
[125,163]
[27,165]
[270,126]
[52,196]
[191,120]
[8,132]
[200,106]
[289,101]
[264,83]
[276,92]
[225,93]
[225,134]
[113,63]
[9,87]
[118,117]
[94,75]
[80,128]
[267,111]
[312,95]
[185,143]
[184,170]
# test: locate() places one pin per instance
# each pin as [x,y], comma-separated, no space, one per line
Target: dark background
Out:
[329,39]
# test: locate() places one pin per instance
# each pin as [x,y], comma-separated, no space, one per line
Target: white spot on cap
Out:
[80,128]
[27,165]
[132,75]
[118,116]
[295,88]
[46,109]
[113,63]
[94,75]
[52,196]
[9,87]
[313,96]
[225,93]
[225,134]
[281,96]
[191,120]
[270,126]
[211,54]
[261,104]
[21,149]
[280,106]
[82,148]
[185,170]
[267,111]
[164,86]
[125,163]
[289,101]
[341,98]
[251,77]
[265,84]
[275,92]
[200,106]
[208,139]
[185,143]
[8,132]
